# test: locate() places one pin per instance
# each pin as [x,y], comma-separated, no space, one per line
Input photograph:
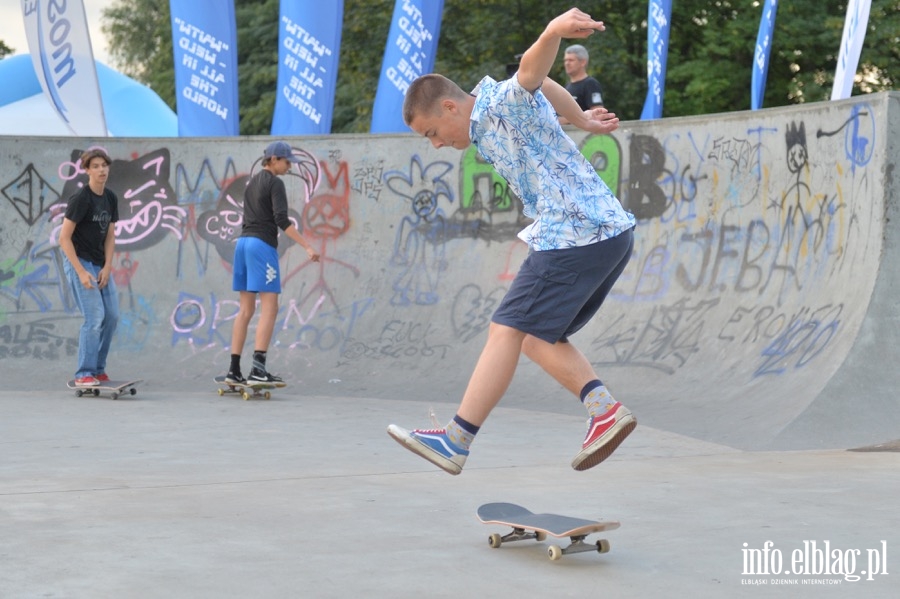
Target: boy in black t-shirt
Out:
[88,240]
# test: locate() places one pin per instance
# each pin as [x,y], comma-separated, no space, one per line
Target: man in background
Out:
[584,88]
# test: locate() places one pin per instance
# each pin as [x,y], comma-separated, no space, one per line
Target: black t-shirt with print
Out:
[586,92]
[92,215]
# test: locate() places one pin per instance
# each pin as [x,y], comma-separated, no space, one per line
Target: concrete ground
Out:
[174,494]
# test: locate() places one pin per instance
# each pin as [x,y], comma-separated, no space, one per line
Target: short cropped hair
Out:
[578,50]
[91,154]
[426,92]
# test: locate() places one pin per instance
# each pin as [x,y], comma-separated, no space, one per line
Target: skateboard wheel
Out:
[495,540]
[603,546]
[246,396]
[133,391]
[96,392]
[79,393]
[115,396]
[267,395]
[539,536]
[554,552]
[221,392]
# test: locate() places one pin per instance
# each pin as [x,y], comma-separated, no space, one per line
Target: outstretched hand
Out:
[574,23]
[600,120]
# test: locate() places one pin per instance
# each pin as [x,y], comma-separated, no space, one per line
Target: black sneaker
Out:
[233,378]
[261,376]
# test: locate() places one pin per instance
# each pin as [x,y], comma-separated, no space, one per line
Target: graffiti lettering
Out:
[35,340]
[398,339]
[664,342]
[472,311]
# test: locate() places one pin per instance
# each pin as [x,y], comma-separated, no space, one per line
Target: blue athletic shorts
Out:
[556,292]
[255,266]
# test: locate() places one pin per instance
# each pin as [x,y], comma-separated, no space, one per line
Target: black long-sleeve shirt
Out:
[265,208]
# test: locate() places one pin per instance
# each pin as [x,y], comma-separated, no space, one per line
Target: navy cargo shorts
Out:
[556,292]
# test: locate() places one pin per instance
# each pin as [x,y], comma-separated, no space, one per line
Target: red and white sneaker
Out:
[605,434]
[86,381]
[102,378]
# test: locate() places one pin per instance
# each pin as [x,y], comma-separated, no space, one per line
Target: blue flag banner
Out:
[761,55]
[309,42]
[60,46]
[855,24]
[409,53]
[659,16]
[204,40]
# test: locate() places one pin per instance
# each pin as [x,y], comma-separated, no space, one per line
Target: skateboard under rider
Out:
[248,389]
[113,388]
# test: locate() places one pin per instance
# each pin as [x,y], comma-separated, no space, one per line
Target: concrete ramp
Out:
[757,312]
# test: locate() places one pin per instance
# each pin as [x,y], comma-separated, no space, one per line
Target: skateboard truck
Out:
[518,534]
[576,544]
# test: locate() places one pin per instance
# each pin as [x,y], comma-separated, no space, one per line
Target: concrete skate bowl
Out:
[757,310]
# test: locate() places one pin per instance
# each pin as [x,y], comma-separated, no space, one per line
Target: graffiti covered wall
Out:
[758,246]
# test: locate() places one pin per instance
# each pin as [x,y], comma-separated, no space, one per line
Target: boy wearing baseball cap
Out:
[256,268]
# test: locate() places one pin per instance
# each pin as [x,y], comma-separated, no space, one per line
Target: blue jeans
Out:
[100,308]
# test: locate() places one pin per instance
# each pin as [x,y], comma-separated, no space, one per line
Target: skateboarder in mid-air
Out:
[580,240]
[88,240]
[256,268]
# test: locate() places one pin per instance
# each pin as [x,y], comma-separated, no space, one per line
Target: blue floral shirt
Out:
[519,134]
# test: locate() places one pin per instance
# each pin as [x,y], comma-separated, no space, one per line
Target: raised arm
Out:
[539,58]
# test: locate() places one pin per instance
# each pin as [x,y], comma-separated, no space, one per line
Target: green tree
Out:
[712,46]
[363,36]
[709,64]
[257,58]
[140,40]
[140,43]
[4,49]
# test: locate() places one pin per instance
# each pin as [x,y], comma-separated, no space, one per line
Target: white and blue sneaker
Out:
[434,445]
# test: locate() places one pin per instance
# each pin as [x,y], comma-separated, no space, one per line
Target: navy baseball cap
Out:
[279,149]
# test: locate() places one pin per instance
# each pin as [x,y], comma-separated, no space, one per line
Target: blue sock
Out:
[590,387]
[596,398]
[461,433]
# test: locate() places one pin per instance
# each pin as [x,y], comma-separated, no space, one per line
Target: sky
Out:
[12,27]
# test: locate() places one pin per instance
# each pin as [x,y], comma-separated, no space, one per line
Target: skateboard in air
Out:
[248,389]
[527,525]
[113,388]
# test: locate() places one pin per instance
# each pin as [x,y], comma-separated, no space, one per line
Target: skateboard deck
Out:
[247,390]
[528,525]
[113,388]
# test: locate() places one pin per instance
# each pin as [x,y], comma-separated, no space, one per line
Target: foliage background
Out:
[709,65]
